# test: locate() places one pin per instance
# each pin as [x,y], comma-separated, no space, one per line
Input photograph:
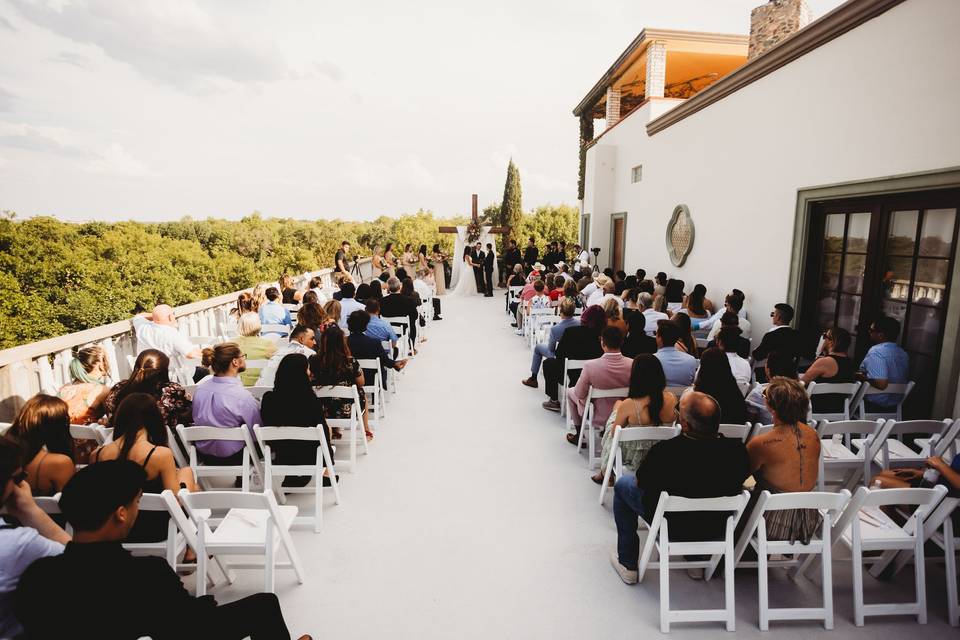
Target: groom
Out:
[477,256]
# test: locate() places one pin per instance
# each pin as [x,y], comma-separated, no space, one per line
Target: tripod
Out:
[355,269]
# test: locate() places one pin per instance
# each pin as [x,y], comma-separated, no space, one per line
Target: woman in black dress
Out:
[292,403]
[335,366]
[716,379]
[832,367]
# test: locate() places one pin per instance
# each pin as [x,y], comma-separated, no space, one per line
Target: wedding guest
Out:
[780,337]
[254,346]
[697,305]
[567,308]
[678,366]
[885,363]
[140,435]
[222,402]
[570,291]
[602,285]
[38,536]
[397,305]
[378,328]
[363,292]
[611,307]
[648,404]
[158,330]
[310,297]
[288,292]
[686,342]
[637,341]
[645,302]
[512,257]
[316,288]
[530,253]
[730,322]
[87,389]
[785,460]
[363,347]
[727,341]
[292,403]
[577,343]
[660,284]
[674,295]
[151,375]
[258,298]
[700,463]
[733,303]
[609,371]
[424,289]
[42,429]
[376,290]
[302,341]
[245,304]
[348,304]
[715,379]
[776,366]
[833,366]
[313,316]
[273,312]
[335,366]
[146,596]
[332,310]
[522,299]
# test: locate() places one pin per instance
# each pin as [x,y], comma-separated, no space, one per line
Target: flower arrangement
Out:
[473,232]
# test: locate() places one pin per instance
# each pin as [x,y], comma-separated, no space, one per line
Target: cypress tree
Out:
[511,210]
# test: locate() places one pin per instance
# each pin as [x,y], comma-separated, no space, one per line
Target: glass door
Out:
[846,238]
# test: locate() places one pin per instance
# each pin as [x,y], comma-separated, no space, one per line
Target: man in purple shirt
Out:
[222,401]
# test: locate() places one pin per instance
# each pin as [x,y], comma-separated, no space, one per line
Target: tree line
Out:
[58,277]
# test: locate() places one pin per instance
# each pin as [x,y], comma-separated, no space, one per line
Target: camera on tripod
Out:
[595,251]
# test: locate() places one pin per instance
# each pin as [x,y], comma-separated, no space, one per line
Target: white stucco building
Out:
[836,151]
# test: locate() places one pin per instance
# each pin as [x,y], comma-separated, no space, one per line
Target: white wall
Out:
[881,100]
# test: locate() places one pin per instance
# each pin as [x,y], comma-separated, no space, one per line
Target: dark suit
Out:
[477,257]
[363,347]
[488,272]
[785,341]
[636,344]
[577,343]
[510,258]
[396,306]
[530,256]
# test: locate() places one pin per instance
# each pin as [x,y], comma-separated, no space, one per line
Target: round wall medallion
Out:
[680,235]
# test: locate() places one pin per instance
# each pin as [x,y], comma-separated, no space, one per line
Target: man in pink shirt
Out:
[609,371]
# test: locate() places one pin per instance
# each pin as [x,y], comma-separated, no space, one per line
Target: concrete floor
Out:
[473,518]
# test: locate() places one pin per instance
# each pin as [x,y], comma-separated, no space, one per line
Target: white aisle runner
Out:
[473,518]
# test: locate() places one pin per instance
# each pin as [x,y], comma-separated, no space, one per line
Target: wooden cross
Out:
[476,220]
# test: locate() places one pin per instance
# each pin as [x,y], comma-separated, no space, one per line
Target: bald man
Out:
[699,463]
[158,330]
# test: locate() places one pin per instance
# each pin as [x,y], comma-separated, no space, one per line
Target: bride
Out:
[466,282]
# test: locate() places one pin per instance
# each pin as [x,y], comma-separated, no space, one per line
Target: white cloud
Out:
[112,159]
[117,161]
[174,42]
[409,172]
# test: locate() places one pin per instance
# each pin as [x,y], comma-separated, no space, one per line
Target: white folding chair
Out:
[189,436]
[352,426]
[403,344]
[864,526]
[50,505]
[741,432]
[568,367]
[532,325]
[180,455]
[323,463]
[631,434]
[896,453]
[374,388]
[836,452]
[512,294]
[257,392]
[848,389]
[677,391]
[658,537]
[254,525]
[94,432]
[897,414]
[587,428]
[278,330]
[181,533]
[830,505]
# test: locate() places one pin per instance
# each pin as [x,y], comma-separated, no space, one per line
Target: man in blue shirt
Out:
[567,309]
[885,364]
[378,327]
[272,312]
[679,367]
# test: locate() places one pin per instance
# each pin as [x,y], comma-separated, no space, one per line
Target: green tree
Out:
[511,208]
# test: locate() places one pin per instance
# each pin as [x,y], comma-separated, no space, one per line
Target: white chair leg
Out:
[318,503]
[728,568]
[762,587]
[826,578]
[201,585]
[857,560]
[269,561]
[921,579]
[607,472]
[950,551]
[664,588]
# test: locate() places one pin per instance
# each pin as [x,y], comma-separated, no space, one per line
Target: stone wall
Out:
[775,21]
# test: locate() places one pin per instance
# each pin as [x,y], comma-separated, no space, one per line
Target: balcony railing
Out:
[45,365]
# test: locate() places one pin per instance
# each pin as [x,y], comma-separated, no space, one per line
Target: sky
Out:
[157,109]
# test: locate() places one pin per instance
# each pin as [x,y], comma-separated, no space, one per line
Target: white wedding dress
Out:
[463,283]
[466,284]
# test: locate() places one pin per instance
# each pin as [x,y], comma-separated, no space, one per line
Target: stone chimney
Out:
[775,21]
